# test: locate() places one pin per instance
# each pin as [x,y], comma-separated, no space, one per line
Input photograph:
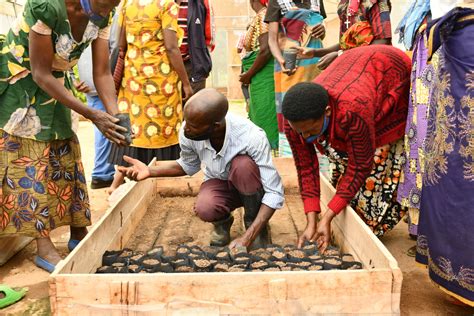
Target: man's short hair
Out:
[304,101]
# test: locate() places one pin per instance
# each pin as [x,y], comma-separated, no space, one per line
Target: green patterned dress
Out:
[43,184]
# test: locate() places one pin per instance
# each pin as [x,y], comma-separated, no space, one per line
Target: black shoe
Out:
[221,235]
[100,184]
[252,205]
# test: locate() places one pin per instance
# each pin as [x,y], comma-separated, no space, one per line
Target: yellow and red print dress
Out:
[150,90]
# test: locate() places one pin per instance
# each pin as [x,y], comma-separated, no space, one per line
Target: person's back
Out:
[360,80]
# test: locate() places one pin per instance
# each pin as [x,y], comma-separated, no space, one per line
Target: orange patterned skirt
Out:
[43,186]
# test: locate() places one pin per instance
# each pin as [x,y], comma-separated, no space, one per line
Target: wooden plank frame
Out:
[74,289]
[11,246]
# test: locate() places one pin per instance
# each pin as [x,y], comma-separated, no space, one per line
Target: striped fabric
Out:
[287,5]
[242,138]
[183,23]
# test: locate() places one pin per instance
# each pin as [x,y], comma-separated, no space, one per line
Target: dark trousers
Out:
[217,198]
[196,85]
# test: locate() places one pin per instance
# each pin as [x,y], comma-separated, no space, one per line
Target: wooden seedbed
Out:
[76,290]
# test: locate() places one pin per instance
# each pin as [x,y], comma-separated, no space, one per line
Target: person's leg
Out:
[244,176]
[36,195]
[119,179]
[79,211]
[47,251]
[103,171]
[214,203]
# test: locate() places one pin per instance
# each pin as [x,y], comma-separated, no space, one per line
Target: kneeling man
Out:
[238,169]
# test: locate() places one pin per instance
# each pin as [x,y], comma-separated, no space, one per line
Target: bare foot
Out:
[111,189]
[119,179]
[47,250]
[78,233]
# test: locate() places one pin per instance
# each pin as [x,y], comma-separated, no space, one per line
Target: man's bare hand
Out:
[137,171]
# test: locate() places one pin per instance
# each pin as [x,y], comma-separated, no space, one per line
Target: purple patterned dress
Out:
[409,190]
[445,232]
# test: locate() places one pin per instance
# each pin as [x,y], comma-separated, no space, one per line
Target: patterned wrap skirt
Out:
[43,186]
[376,201]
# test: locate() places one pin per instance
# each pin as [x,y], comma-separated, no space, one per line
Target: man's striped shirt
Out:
[242,138]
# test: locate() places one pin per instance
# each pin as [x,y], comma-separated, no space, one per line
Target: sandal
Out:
[11,296]
[72,244]
[44,264]
[411,252]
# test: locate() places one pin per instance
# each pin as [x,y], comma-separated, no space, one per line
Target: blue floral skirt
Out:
[43,186]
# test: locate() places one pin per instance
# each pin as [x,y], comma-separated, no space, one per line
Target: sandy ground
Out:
[419,295]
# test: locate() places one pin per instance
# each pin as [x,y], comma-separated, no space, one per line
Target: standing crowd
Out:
[395,126]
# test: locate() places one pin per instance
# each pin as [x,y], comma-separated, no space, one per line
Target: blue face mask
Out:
[312,138]
[93,17]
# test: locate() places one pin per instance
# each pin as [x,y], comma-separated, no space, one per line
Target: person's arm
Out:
[273,42]
[308,53]
[188,164]
[41,61]
[275,48]
[261,60]
[360,150]
[263,216]
[273,198]
[307,168]
[170,27]
[139,171]
[103,80]
[210,30]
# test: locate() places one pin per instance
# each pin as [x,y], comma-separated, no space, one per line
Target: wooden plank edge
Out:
[108,213]
[71,287]
[397,275]
[353,217]
[11,245]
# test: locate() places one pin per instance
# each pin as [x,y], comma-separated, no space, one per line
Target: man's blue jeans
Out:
[103,171]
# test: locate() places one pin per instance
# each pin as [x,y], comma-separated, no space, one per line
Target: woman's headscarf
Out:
[264,2]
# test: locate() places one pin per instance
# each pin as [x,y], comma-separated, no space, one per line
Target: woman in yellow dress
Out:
[150,92]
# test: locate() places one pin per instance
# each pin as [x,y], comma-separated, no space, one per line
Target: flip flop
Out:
[72,244]
[411,252]
[11,296]
[44,264]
